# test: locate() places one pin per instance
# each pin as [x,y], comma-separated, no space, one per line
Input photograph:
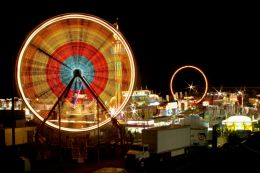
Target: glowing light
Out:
[26,110]
[239,92]
[112,111]
[154,104]
[191,86]
[238,122]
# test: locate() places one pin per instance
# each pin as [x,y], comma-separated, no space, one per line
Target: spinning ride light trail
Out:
[191,85]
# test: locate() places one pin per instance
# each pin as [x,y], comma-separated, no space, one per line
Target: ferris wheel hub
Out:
[77,72]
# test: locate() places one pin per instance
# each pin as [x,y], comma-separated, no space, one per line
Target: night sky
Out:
[221,39]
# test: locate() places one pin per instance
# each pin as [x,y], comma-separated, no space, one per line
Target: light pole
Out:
[242,100]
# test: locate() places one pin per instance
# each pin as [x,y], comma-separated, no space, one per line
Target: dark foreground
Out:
[228,158]
[236,156]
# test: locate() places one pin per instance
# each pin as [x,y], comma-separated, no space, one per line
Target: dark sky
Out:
[221,39]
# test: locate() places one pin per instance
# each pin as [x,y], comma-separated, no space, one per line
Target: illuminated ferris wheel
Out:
[72,71]
[204,90]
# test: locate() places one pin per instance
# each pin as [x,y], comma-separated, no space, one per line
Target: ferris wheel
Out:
[191,86]
[75,72]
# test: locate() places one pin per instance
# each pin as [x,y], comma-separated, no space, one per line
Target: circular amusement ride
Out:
[75,72]
[204,90]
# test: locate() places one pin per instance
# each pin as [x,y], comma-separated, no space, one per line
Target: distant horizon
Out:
[210,89]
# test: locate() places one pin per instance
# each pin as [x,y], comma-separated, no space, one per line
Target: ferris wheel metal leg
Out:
[63,95]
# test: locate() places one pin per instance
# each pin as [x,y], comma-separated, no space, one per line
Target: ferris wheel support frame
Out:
[64,93]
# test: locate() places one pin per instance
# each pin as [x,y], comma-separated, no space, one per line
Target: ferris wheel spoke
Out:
[50,56]
[46,92]
[35,62]
[101,46]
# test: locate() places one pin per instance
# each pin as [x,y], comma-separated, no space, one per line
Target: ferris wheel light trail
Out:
[50,56]
[78,47]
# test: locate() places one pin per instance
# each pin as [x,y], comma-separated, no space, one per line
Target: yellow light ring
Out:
[200,71]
